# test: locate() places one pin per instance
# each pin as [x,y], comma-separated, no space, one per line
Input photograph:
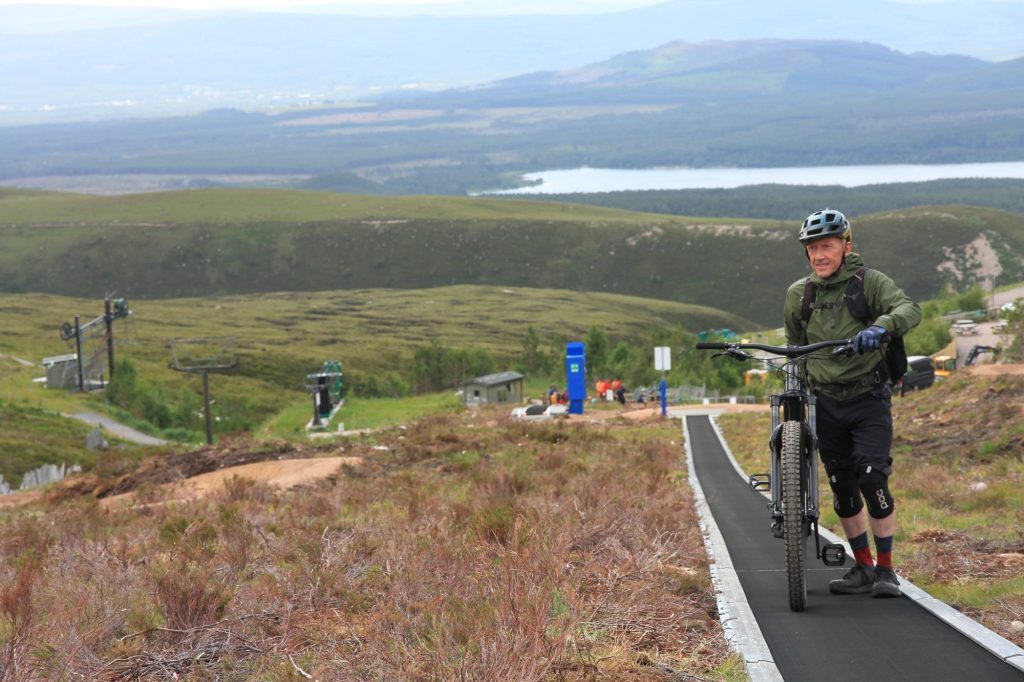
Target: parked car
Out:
[920,374]
[965,327]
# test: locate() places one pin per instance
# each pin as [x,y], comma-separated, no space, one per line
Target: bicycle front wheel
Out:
[794,523]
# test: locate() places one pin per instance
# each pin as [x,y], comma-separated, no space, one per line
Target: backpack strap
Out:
[806,308]
[856,301]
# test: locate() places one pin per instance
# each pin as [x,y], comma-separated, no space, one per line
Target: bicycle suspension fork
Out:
[789,406]
[796,404]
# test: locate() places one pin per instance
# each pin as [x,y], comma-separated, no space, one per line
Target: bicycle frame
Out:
[794,403]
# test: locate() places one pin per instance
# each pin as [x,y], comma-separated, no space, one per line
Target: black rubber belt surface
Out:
[838,637]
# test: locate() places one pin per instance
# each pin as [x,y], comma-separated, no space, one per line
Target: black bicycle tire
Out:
[793,521]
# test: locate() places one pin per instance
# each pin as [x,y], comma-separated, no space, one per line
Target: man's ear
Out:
[849,248]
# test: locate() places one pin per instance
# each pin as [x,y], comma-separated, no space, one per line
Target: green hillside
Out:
[281,337]
[236,206]
[213,242]
[31,437]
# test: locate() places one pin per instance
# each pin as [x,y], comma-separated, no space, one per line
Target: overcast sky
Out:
[367,6]
[392,7]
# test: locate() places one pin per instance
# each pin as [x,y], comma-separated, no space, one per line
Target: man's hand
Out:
[868,340]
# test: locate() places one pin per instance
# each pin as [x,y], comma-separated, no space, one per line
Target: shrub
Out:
[438,368]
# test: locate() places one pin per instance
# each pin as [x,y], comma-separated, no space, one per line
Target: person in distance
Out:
[843,299]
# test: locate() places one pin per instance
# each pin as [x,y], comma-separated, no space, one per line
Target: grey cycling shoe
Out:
[886,584]
[858,580]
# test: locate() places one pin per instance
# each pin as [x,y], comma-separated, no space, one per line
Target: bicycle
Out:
[793,479]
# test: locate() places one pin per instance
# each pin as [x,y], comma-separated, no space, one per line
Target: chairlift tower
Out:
[202,356]
[326,388]
[113,309]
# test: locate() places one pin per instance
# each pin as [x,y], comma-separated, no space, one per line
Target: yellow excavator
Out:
[944,361]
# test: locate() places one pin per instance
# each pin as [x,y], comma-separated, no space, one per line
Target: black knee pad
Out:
[845,495]
[874,485]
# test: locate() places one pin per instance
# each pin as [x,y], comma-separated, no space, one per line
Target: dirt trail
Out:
[650,413]
[282,473]
[993,370]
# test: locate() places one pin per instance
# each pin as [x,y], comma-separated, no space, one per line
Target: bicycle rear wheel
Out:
[794,524]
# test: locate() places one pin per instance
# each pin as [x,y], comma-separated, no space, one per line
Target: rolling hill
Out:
[64,62]
[742,103]
[680,72]
[210,242]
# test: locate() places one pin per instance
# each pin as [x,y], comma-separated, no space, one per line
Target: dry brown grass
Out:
[472,547]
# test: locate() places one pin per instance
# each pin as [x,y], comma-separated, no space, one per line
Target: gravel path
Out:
[114,428]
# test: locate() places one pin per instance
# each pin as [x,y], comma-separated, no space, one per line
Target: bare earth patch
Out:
[286,473]
[993,370]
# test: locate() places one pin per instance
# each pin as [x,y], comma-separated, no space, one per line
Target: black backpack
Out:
[895,364]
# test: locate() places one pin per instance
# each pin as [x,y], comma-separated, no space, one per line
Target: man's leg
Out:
[880,506]
[835,447]
[886,583]
[855,526]
[872,452]
[883,528]
[861,578]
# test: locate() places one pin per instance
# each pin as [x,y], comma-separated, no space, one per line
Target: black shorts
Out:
[857,433]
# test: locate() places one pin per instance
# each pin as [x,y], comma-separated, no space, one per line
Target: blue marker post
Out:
[576,375]
[663,362]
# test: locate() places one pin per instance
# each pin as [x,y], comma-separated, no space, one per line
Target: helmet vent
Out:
[825,223]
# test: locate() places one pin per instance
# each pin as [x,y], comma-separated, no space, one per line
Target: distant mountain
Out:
[148,62]
[745,103]
[719,70]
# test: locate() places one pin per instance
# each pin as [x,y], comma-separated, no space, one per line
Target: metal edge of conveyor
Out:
[734,612]
[970,628]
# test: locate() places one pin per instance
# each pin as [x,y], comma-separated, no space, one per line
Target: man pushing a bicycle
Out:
[843,299]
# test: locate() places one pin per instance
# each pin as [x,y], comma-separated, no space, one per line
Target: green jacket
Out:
[890,307]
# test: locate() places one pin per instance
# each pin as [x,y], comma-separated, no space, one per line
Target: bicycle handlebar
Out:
[784,351]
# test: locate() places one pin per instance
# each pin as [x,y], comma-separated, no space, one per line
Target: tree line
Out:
[794,202]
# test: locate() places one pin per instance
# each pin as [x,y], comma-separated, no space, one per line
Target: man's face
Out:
[826,255]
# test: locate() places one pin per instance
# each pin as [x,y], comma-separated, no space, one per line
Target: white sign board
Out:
[663,358]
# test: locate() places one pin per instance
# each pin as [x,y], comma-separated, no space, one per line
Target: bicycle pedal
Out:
[760,481]
[833,555]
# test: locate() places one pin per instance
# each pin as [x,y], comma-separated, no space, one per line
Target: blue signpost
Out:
[663,362]
[576,375]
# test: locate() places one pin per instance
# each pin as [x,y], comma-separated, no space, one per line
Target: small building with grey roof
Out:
[502,387]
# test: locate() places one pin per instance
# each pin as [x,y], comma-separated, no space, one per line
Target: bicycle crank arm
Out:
[833,555]
[760,481]
[830,554]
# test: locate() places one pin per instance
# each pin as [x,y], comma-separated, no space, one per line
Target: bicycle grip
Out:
[712,345]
